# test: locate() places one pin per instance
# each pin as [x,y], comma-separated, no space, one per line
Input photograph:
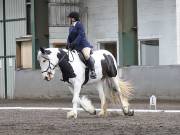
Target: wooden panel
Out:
[26,54]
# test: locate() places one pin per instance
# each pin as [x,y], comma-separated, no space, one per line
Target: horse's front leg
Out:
[85,103]
[75,101]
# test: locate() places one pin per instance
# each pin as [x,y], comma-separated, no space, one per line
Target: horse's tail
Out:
[126,89]
[116,95]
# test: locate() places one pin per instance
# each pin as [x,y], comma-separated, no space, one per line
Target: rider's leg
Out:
[86,52]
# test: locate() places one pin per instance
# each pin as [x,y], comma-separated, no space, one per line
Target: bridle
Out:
[49,66]
[54,66]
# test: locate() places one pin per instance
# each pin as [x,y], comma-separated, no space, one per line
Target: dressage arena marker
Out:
[152,101]
[0,64]
[80,109]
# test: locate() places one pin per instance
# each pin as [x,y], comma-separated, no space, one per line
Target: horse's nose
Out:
[46,78]
[49,73]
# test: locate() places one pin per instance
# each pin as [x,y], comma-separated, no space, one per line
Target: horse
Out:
[76,74]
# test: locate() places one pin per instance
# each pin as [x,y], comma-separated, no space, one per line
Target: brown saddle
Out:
[82,58]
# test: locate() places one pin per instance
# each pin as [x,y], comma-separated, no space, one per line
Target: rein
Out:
[71,55]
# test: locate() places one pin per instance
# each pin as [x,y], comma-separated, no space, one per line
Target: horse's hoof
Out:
[131,113]
[71,114]
[127,111]
[94,112]
[102,114]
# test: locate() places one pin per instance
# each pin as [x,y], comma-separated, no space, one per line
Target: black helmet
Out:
[74,15]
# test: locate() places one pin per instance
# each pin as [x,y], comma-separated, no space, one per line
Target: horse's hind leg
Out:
[103,111]
[123,96]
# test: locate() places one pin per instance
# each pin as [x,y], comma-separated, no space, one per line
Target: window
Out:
[149,52]
[59,10]
[28,16]
[59,45]
[110,46]
[24,52]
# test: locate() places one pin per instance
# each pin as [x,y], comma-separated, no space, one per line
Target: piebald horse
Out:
[76,74]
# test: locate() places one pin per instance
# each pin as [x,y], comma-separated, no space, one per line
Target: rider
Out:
[77,40]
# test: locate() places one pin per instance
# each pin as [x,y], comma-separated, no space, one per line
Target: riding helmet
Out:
[74,15]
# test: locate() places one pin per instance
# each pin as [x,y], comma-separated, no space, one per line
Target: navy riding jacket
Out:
[77,37]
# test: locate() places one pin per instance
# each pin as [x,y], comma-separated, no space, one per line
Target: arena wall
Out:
[162,81]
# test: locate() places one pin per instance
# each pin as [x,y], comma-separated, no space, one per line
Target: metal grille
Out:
[59,10]
[12,26]
[149,50]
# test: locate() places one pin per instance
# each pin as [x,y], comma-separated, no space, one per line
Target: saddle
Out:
[82,58]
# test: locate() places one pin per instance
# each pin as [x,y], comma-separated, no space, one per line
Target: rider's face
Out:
[71,20]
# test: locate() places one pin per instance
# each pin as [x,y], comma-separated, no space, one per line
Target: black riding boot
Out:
[90,63]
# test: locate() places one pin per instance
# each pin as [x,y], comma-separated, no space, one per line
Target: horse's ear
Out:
[42,50]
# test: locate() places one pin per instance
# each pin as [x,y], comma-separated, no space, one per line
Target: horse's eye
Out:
[44,60]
